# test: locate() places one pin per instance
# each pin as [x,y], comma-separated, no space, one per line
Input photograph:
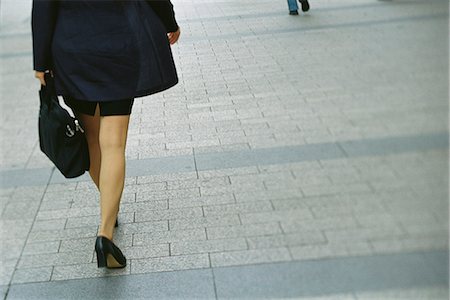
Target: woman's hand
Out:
[40,75]
[173,36]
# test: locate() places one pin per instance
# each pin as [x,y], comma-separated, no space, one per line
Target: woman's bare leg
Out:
[91,125]
[112,138]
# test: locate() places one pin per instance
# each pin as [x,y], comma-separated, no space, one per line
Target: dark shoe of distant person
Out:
[305,5]
[108,254]
[293,12]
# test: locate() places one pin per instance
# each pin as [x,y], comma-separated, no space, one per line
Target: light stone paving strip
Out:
[259,156]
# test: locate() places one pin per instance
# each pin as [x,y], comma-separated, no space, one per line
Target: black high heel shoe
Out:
[108,254]
[117,223]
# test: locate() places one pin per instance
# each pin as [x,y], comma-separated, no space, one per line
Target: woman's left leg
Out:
[92,127]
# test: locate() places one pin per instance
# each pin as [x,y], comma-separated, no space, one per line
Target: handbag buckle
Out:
[69,132]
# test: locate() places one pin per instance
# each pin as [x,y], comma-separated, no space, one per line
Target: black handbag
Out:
[61,136]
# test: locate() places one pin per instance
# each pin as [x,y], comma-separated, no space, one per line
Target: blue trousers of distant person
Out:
[292,5]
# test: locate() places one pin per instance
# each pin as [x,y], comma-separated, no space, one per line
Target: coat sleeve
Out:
[164,9]
[43,19]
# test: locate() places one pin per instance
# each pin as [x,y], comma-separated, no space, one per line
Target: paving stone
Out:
[160,237]
[157,215]
[245,230]
[233,258]
[235,146]
[85,270]
[165,177]
[207,182]
[208,246]
[201,201]
[284,240]
[138,252]
[315,190]
[142,227]
[332,249]
[52,205]
[147,187]
[11,248]
[204,222]
[338,222]
[143,205]
[85,245]
[355,208]
[250,196]
[19,210]
[425,230]
[67,213]
[42,225]
[77,222]
[7,270]
[51,259]
[127,197]
[249,186]
[66,186]
[405,293]
[167,194]
[237,208]
[171,263]
[227,171]
[39,248]
[275,216]
[285,204]
[364,234]
[32,275]
[425,243]
[67,234]
[15,228]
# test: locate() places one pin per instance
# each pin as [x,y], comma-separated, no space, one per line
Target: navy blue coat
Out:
[103,50]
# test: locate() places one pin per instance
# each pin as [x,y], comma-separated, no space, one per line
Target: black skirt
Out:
[106,108]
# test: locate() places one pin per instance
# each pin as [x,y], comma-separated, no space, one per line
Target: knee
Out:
[112,143]
[93,140]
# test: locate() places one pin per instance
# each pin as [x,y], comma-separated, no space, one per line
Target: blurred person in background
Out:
[293,7]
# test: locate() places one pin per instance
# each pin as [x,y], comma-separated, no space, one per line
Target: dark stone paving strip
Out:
[142,167]
[398,144]
[244,158]
[429,17]
[334,276]
[190,284]
[22,177]
[267,156]
[275,280]
[280,12]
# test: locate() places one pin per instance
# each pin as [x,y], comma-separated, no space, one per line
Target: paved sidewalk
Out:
[299,157]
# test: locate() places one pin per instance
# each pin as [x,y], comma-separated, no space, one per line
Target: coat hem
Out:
[158,89]
[138,94]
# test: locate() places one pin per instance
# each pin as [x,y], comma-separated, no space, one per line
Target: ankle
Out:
[106,235]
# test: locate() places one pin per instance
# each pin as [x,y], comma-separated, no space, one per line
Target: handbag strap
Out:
[49,89]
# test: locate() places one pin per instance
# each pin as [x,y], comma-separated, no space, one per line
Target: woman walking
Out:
[102,54]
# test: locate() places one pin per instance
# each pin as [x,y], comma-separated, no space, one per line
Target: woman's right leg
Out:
[112,138]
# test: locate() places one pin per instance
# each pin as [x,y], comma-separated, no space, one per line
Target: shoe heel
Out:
[101,259]
[108,254]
